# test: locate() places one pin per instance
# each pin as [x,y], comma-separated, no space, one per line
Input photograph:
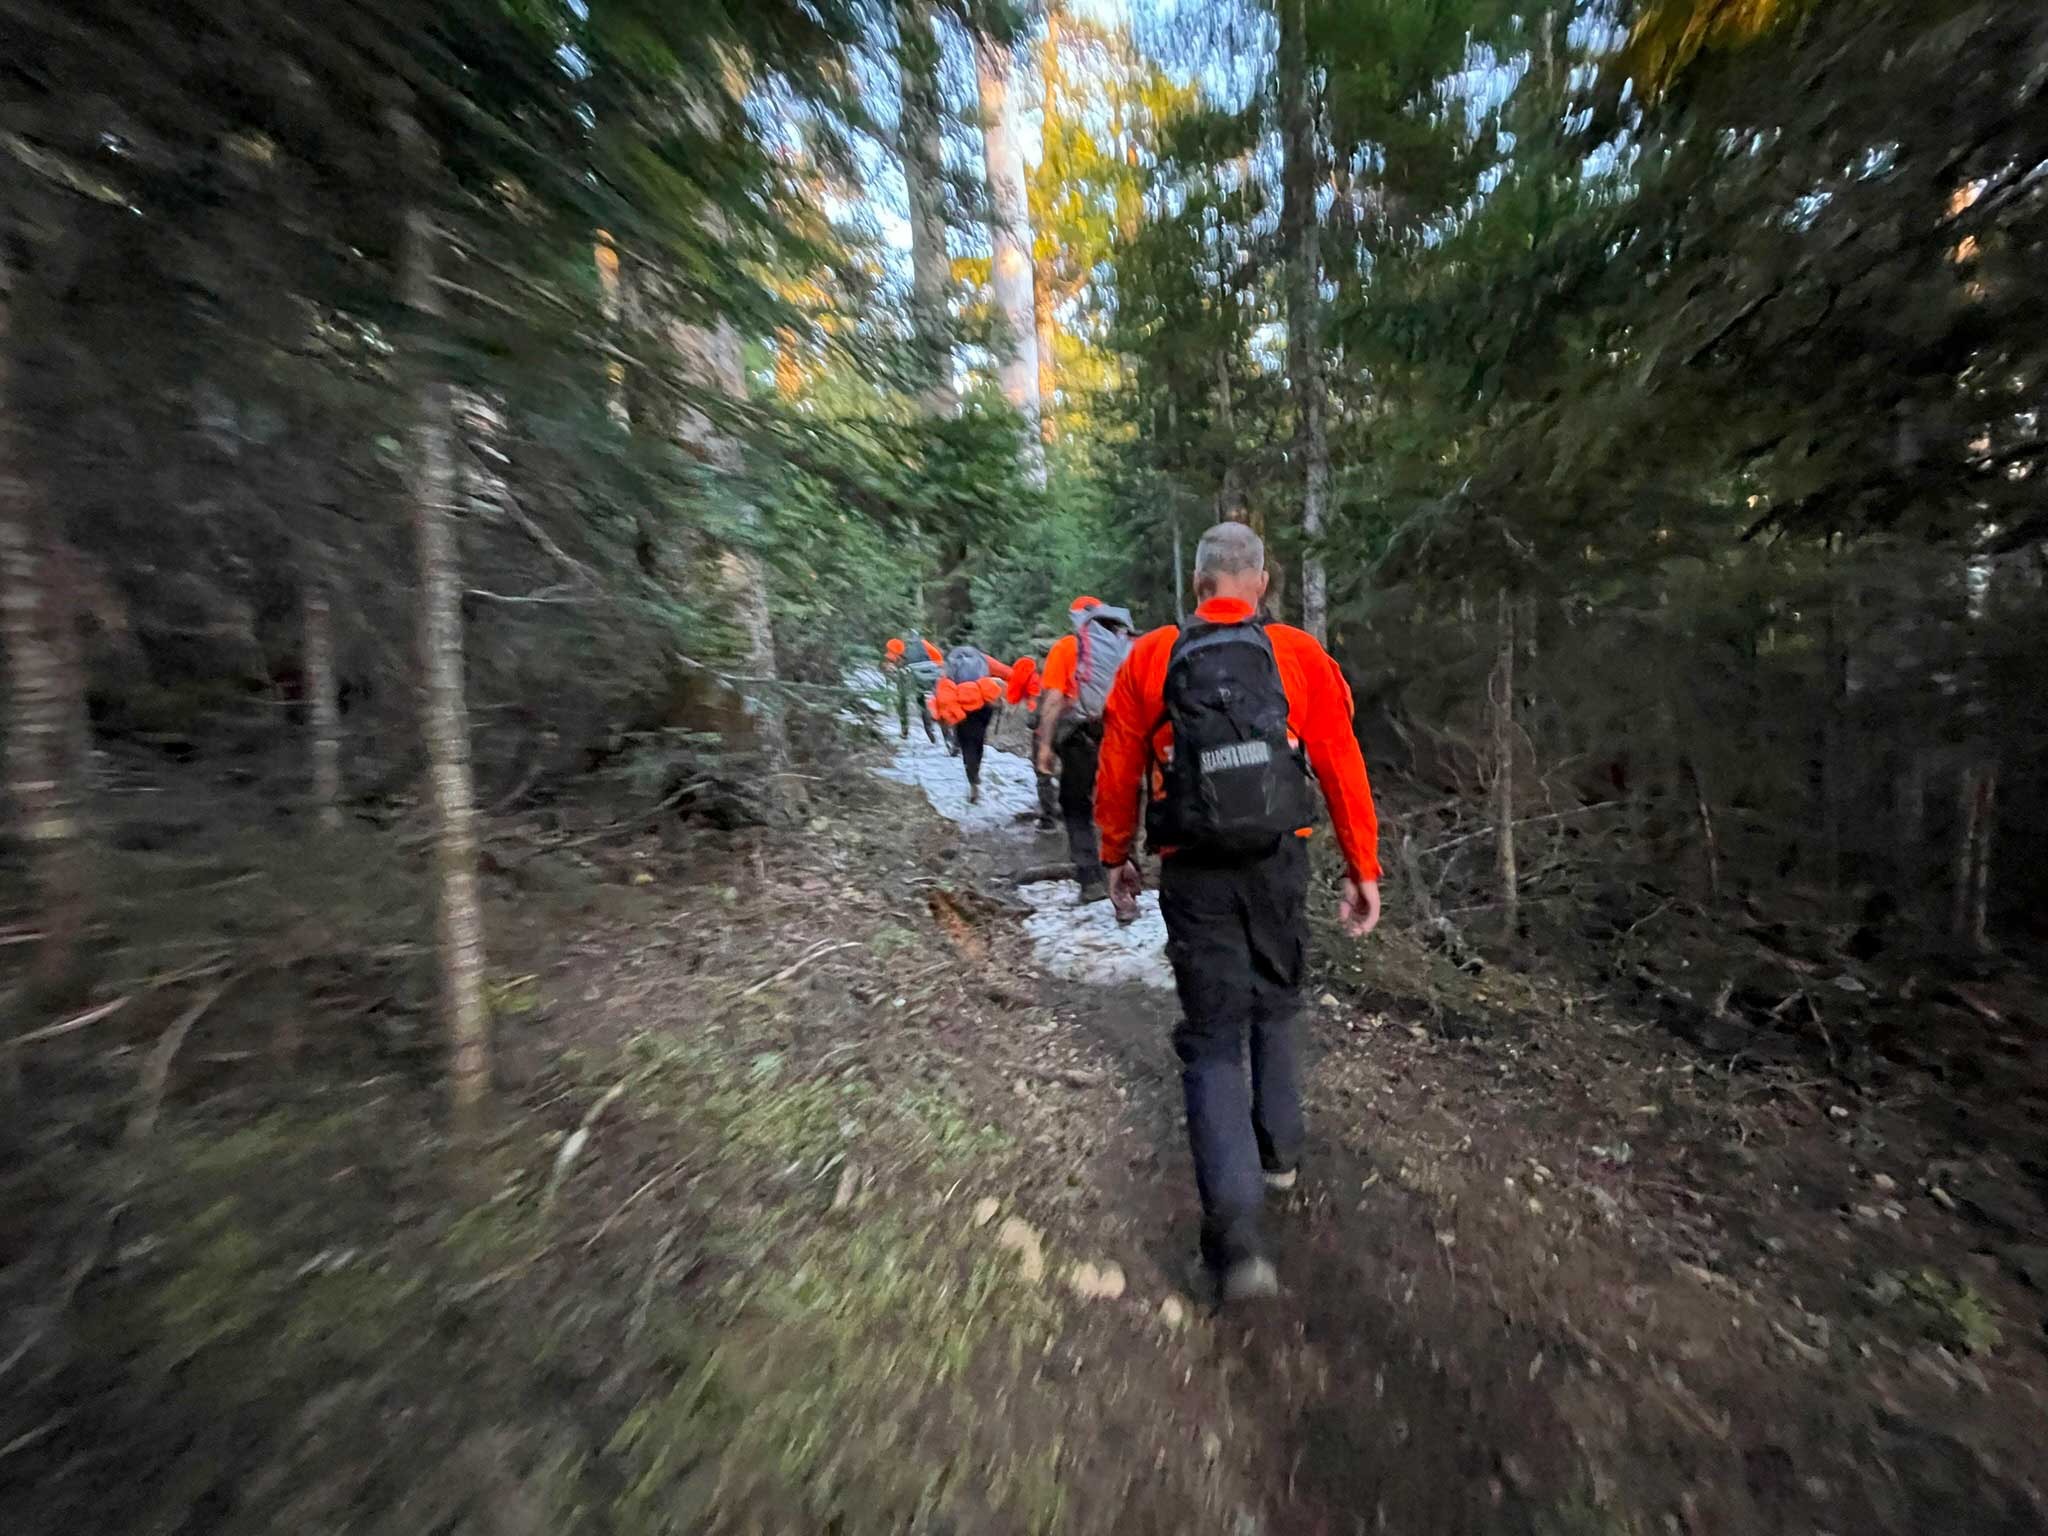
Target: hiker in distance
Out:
[1208,728]
[912,663]
[967,698]
[1078,672]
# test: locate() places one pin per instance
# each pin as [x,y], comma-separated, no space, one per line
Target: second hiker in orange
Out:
[1078,672]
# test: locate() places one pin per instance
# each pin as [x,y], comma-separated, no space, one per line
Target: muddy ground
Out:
[784,1229]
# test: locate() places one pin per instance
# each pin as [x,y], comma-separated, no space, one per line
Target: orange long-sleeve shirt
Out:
[1319,711]
[1061,663]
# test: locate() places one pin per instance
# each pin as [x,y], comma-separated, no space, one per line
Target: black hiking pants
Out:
[1078,750]
[972,735]
[1237,938]
[1049,796]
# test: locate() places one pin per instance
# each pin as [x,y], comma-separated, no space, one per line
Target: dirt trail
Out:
[1549,1273]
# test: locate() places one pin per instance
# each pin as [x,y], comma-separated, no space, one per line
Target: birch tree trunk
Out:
[323,702]
[1501,689]
[922,150]
[45,698]
[459,925]
[1043,287]
[1010,243]
[1300,176]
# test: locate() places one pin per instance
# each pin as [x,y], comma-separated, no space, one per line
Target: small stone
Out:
[1328,1000]
[1173,1312]
[1212,1445]
[642,877]
[1016,1236]
[1885,1182]
[1097,1282]
[985,1210]
[849,1186]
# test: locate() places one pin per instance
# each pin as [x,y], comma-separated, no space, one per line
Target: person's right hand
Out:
[1359,910]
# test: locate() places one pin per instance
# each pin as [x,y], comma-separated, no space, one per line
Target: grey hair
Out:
[1229,549]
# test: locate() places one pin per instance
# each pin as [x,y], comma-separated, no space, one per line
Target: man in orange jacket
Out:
[1079,671]
[1208,727]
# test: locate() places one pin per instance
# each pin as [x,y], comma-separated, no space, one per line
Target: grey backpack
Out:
[920,666]
[965,664]
[1104,637]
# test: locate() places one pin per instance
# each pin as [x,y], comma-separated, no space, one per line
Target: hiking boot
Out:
[1095,889]
[1280,1180]
[1250,1280]
[1045,822]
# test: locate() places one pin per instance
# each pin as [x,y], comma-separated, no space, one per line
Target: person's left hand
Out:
[1359,910]
[1124,885]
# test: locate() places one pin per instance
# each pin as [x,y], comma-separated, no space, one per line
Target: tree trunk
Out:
[1835,754]
[1230,499]
[1980,882]
[1501,691]
[323,702]
[1909,821]
[1180,582]
[1976,807]
[1709,844]
[45,699]
[612,301]
[459,926]
[1048,338]
[1010,245]
[1300,177]
[920,144]
[1042,283]
[716,357]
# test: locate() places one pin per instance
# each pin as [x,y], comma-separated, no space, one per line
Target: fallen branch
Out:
[1072,1077]
[574,1143]
[1034,873]
[816,952]
[156,1072]
[1527,821]
[73,1024]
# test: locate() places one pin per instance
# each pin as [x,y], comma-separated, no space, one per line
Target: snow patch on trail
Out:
[1089,944]
[1080,943]
[1008,786]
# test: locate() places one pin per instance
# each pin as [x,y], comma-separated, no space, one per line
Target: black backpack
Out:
[1234,785]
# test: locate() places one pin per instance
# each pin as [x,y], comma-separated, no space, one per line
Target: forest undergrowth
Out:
[807,1192]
